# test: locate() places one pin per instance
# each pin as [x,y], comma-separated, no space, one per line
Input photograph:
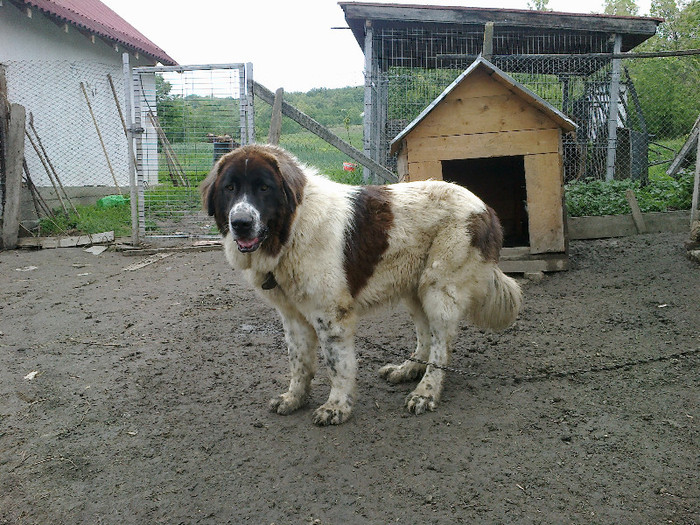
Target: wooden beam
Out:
[13,176]
[334,140]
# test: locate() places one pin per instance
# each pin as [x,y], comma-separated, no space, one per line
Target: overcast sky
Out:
[290,43]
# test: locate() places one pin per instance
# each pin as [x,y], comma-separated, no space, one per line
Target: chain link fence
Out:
[643,123]
[75,143]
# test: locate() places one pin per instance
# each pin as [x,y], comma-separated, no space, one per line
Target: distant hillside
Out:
[331,107]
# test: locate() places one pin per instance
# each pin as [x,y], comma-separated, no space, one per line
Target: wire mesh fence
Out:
[186,118]
[75,145]
[639,109]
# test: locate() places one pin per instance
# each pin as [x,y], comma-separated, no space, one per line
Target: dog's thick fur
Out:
[324,253]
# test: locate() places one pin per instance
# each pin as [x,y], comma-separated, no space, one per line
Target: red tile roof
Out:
[95,17]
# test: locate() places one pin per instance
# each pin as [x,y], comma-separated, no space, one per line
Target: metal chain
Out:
[545,375]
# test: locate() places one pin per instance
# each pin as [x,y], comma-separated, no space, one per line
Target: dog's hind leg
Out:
[410,370]
[302,345]
[443,315]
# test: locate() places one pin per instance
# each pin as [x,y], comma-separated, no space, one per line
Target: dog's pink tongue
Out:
[247,244]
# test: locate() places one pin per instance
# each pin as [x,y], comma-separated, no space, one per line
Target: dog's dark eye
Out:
[229,187]
[264,187]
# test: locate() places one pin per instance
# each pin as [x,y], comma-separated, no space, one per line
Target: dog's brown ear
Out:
[207,188]
[293,181]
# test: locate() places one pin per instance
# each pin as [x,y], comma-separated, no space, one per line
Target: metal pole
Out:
[368,130]
[250,101]
[129,127]
[612,117]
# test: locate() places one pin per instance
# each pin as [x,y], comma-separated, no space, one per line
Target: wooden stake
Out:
[99,135]
[48,171]
[39,202]
[276,119]
[170,154]
[636,212]
[48,160]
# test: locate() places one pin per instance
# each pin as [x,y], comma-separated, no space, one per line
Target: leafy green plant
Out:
[596,197]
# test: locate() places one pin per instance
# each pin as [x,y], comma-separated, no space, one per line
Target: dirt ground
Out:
[141,397]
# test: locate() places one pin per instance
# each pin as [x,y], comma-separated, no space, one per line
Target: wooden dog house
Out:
[492,135]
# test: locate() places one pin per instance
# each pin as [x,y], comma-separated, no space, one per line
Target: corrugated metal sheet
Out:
[95,17]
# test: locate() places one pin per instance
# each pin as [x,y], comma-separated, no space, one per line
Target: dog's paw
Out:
[401,373]
[287,403]
[331,414]
[417,403]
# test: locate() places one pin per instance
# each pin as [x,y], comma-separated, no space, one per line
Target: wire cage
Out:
[575,72]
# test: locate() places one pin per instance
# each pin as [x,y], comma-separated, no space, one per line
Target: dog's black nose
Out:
[241,222]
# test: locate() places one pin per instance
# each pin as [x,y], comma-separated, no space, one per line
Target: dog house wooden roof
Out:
[633,29]
[502,78]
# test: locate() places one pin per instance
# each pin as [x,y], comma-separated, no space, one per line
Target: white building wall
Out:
[45,66]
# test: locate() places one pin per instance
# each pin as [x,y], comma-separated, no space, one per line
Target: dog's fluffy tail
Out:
[500,303]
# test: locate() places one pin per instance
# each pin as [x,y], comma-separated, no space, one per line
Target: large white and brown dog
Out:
[324,253]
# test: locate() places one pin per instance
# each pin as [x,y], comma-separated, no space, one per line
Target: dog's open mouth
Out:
[249,245]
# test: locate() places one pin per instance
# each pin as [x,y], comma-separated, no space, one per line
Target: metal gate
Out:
[185,117]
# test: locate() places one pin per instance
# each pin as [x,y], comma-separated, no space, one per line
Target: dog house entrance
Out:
[500,183]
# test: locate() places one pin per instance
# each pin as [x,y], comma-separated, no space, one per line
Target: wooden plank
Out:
[323,132]
[545,202]
[65,242]
[606,226]
[554,263]
[496,113]
[276,118]
[13,176]
[480,16]
[636,212]
[424,171]
[529,142]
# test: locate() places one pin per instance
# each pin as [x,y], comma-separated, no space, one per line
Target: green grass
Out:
[88,220]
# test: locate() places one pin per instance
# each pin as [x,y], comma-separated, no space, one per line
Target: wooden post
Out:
[4,121]
[13,176]
[612,116]
[694,214]
[487,50]
[276,119]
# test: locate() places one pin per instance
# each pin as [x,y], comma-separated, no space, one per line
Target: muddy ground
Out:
[141,397]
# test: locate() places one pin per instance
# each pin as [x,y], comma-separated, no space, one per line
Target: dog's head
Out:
[253,193]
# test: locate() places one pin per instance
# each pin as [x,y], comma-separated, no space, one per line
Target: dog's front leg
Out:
[337,343]
[301,346]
